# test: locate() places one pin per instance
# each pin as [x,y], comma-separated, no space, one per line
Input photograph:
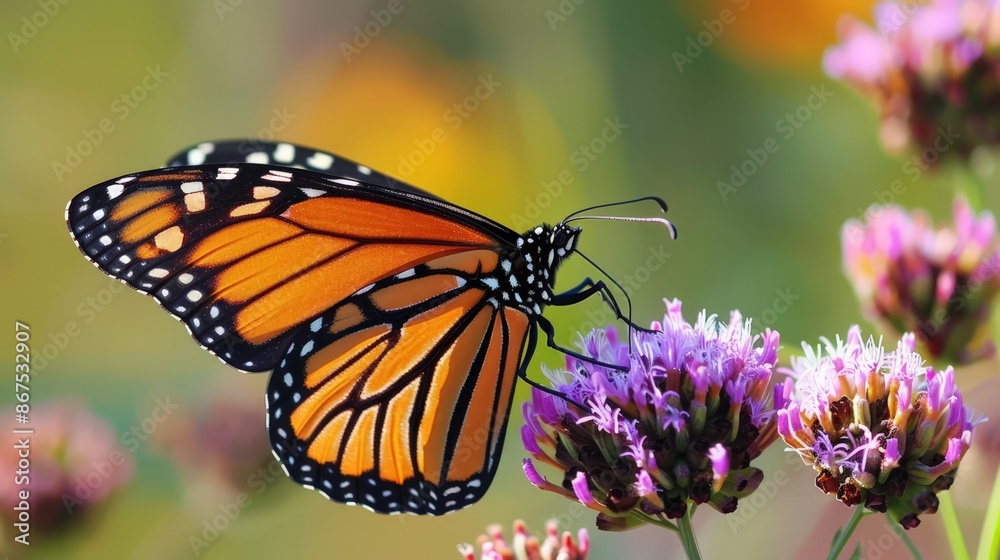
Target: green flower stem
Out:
[844,534]
[901,533]
[952,528]
[970,185]
[688,540]
[989,538]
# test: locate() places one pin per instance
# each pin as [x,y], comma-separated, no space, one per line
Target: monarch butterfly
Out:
[394,322]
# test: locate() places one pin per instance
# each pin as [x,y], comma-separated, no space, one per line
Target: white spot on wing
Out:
[319,160]
[284,153]
[258,157]
[194,295]
[311,193]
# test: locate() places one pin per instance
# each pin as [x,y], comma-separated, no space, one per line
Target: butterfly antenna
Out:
[659,201]
[663,221]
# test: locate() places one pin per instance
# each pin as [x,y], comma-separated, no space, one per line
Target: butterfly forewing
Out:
[244,255]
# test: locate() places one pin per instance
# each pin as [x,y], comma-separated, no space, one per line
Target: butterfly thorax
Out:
[527,272]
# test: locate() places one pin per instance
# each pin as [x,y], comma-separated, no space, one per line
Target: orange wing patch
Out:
[334,392]
[416,338]
[294,302]
[326,447]
[135,203]
[448,378]
[332,358]
[359,453]
[416,291]
[468,262]
[395,462]
[377,221]
[150,223]
[470,449]
[240,240]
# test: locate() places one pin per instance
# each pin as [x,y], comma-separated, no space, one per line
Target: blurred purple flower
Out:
[933,69]
[680,427]
[526,546]
[76,464]
[223,438]
[939,284]
[879,427]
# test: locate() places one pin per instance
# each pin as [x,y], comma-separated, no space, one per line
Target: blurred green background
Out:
[373,85]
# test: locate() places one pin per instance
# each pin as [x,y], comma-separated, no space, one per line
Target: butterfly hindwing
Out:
[246,254]
[288,155]
[398,399]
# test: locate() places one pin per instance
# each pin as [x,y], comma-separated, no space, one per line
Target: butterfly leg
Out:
[588,288]
[522,370]
[550,334]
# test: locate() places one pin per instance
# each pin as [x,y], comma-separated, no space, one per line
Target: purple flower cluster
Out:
[939,284]
[678,425]
[879,427]
[933,69]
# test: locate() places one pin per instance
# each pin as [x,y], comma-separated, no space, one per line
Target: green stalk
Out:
[901,533]
[688,539]
[989,538]
[968,184]
[844,535]
[946,508]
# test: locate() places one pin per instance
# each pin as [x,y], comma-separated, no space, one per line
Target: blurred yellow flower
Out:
[774,32]
[415,115]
